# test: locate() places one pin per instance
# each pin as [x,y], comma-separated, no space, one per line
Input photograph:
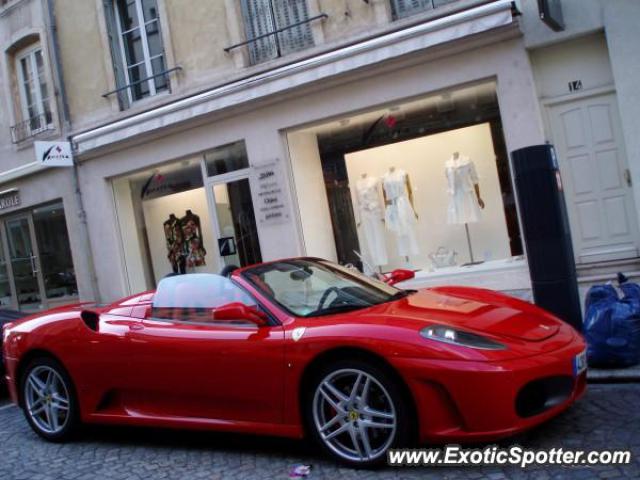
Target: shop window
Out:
[275,28]
[34,95]
[137,49]
[175,220]
[6,296]
[52,238]
[36,268]
[227,158]
[422,185]
[406,8]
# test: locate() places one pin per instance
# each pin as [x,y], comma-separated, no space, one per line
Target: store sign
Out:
[54,154]
[9,199]
[272,207]
[551,14]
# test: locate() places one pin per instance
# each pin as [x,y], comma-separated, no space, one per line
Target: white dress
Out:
[371,213]
[399,215]
[463,201]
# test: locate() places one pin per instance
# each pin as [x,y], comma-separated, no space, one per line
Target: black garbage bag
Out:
[612,325]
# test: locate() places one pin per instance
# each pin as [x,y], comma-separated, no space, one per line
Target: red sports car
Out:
[299,347]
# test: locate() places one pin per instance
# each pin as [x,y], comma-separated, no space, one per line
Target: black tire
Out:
[403,434]
[72,418]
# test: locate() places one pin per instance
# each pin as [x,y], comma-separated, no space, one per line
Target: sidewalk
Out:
[614,375]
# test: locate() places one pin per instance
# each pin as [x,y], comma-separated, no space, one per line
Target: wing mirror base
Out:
[399,275]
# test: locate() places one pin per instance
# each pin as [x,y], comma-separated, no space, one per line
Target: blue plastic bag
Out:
[612,326]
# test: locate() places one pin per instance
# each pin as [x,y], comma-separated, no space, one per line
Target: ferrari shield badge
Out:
[297,333]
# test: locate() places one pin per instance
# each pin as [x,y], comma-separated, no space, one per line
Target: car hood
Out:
[482,311]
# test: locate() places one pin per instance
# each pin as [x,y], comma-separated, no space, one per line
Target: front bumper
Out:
[461,401]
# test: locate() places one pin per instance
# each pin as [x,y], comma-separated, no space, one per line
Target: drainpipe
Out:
[66,130]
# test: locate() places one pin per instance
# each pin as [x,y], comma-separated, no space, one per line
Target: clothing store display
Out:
[175,244]
[400,217]
[462,178]
[192,232]
[371,213]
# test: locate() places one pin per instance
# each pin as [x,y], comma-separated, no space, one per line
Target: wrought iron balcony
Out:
[406,8]
[31,127]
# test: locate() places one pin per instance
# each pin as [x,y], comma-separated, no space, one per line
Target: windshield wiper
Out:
[336,309]
[401,294]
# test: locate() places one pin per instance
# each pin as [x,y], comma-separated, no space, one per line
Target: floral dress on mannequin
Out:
[371,212]
[193,240]
[399,214]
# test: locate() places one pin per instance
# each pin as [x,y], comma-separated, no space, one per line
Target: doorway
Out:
[592,159]
[36,270]
[238,242]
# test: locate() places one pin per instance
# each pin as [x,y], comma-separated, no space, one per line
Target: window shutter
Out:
[290,12]
[406,8]
[259,20]
[116,54]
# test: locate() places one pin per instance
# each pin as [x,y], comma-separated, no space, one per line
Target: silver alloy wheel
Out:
[47,399]
[354,415]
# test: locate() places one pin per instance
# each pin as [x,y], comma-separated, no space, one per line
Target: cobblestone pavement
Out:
[607,417]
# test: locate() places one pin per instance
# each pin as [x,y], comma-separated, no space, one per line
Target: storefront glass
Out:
[40,270]
[6,296]
[423,185]
[23,263]
[55,252]
[194,215]
[238,229]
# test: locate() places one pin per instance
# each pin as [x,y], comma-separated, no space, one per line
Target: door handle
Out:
[136,326]
[627,177]
[34,268]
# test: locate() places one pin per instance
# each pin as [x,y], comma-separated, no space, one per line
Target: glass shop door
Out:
[238,242]
[24,263]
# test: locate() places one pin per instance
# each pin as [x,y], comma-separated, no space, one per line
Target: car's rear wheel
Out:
[48,399]
[357,413]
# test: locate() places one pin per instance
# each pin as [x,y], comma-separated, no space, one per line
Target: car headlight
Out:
[453,336]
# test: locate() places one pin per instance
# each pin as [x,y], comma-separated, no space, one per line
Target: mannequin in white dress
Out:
[465,203]
[371,219]
[400,216]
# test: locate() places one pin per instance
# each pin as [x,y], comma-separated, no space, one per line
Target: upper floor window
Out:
[406,8]
[34,95]
[276,28]
[136,44]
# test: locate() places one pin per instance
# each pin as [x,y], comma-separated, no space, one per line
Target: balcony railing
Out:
[406,8]
[31,127]
[275,28]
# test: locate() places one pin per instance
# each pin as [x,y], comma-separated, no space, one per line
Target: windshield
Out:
[309,288]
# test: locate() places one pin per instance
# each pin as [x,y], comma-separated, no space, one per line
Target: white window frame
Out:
[142,26]
[30,55]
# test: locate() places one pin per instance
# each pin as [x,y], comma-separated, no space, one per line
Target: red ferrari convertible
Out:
[299,347]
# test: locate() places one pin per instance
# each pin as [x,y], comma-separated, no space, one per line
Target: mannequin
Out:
[465,202]
[175,244]
[371,217]
[400,215]
[192,232]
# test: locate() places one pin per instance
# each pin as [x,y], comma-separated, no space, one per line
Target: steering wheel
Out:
[325,295]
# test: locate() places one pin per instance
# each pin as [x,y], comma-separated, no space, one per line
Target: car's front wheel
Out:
[48,399]
[357,412]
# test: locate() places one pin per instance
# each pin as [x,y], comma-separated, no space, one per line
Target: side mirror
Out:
[239,311]
[399,275]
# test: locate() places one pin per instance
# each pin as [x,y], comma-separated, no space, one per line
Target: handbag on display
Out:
[443,257]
